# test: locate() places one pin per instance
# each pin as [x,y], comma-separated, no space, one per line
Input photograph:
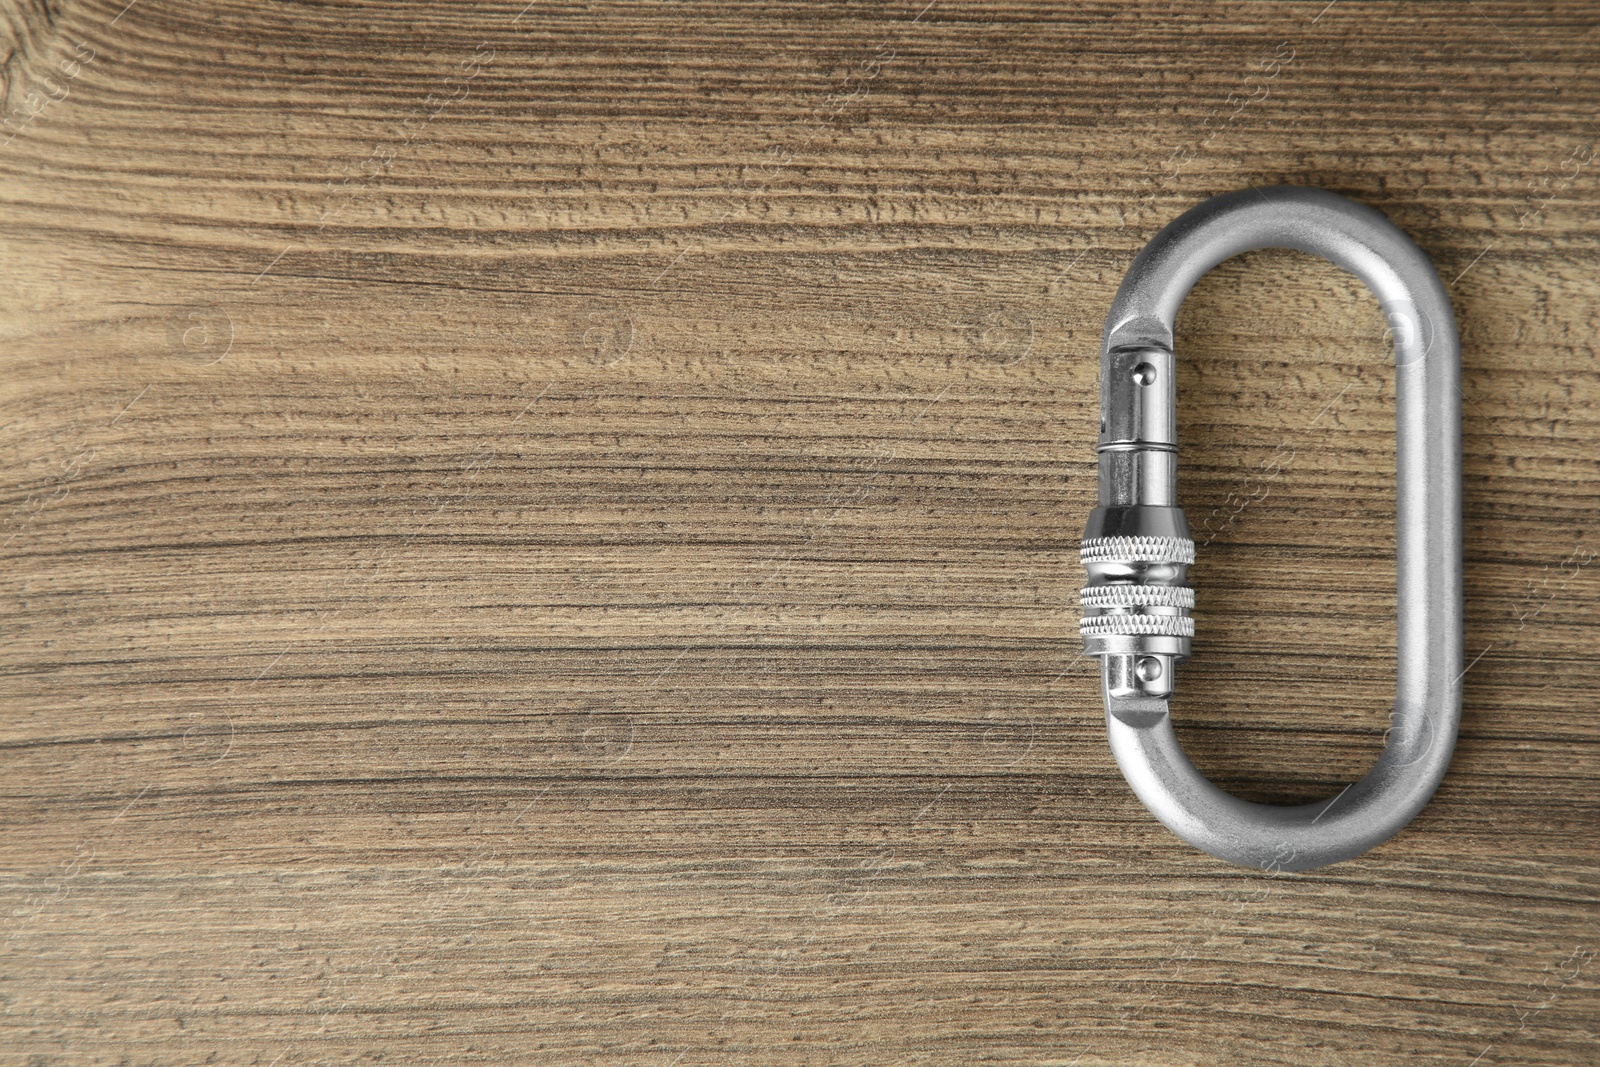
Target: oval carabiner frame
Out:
[1137,549]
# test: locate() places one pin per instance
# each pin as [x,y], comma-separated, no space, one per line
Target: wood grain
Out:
[547,534]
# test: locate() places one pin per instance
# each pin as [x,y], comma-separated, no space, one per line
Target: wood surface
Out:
[547,534]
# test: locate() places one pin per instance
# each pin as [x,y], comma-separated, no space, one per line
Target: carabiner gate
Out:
[1137,550]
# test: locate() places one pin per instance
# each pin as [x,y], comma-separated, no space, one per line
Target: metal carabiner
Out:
[1137,550]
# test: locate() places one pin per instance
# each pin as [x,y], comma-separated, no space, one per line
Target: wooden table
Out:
[547,534]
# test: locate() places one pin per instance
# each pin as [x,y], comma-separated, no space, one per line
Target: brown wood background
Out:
[547,535]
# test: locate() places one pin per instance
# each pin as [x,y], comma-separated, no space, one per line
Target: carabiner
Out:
[1137,551]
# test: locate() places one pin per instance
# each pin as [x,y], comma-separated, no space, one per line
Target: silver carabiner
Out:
[1137,551]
